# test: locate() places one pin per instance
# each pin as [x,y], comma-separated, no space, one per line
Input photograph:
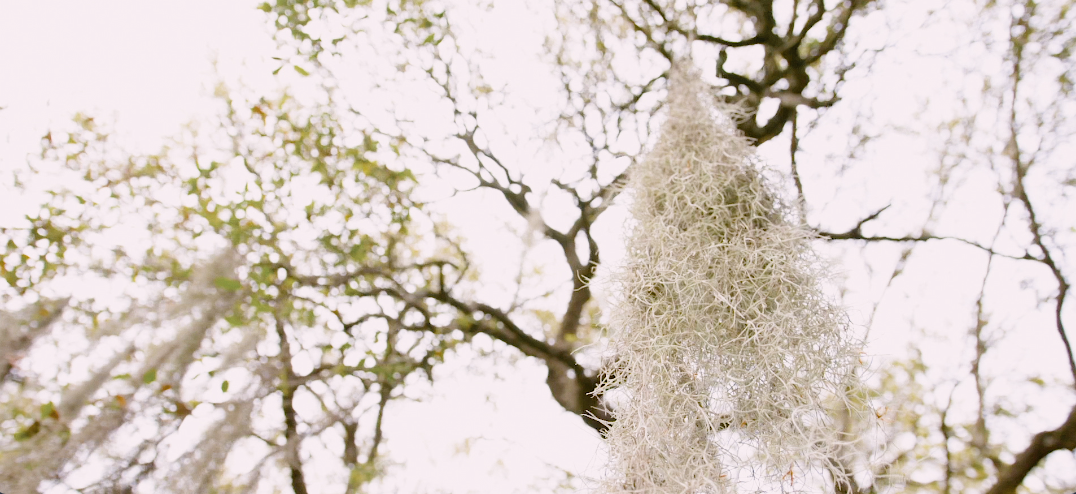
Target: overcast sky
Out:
[147,68]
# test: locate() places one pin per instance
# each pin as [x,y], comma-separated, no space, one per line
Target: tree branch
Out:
[1020,169]
[291,435]
[856,233]
[1044,443]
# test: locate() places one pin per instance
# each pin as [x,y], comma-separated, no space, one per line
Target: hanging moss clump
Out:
[729,359]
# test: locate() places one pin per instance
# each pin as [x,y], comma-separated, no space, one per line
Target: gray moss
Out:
[730,356]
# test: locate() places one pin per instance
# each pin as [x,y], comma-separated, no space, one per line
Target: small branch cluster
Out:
[730,359]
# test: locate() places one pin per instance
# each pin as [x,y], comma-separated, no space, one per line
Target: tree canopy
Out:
[242,310]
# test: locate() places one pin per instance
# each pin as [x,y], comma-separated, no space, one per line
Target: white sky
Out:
[146,68]
[148,63]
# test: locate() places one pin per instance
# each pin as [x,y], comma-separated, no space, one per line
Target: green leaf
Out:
[149,376]
[28,432]
[227,284]
[49,410]
[224,386]
[301,71]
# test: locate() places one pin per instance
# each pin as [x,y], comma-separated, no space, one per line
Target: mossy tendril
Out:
[728,356]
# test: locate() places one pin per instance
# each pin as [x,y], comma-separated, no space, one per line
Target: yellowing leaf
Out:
[48,410]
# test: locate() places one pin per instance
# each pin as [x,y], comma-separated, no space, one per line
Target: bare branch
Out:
[293,440]
[1044,443]
[856,233]
[1020,169]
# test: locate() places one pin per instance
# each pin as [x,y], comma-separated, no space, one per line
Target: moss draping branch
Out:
[730,359]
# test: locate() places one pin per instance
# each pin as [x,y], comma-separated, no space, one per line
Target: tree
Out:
[611,130]
[336,313]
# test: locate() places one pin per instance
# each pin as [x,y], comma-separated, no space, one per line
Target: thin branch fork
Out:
[856,233]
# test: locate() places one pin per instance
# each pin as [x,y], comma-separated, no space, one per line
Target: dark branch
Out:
[1020,169]
[1044,443]
[291,435]
[856,233]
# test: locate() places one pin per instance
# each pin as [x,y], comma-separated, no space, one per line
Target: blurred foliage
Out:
[320,224]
